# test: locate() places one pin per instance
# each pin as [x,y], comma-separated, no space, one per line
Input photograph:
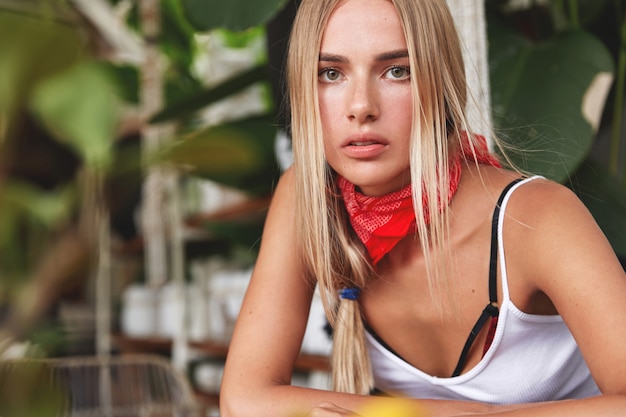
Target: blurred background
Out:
[140,141]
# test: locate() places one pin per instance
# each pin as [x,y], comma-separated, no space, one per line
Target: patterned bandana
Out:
[381,222]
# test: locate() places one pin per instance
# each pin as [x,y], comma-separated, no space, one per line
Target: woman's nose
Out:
[363,102]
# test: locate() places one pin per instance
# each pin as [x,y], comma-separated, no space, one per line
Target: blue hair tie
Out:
[350,293]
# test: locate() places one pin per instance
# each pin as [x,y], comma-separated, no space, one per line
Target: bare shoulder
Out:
[538,187]
[540,202]
[283,200]
[551,234]
[533,202]
[541,212]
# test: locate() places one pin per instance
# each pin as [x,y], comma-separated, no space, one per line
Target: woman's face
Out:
[365,96]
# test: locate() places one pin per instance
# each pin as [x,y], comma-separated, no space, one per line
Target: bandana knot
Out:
[380,222]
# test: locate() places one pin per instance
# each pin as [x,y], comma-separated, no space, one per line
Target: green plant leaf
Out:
[49,208]
[31,49]
[29,216]
[28,390]
[204,98]
[247,234]
[79,107]
[605,198]
[538,93]
[232,14]
[177,42]
[238,154]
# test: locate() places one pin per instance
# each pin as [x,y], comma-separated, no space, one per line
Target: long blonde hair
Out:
[330,250]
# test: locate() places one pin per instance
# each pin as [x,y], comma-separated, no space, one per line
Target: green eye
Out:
[332,75]
[329,74]
[399,73]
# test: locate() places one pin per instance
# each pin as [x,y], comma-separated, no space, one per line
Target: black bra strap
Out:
[490,311]
[492,308]
[493,257]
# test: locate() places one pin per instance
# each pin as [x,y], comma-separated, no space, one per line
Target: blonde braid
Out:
[352,370]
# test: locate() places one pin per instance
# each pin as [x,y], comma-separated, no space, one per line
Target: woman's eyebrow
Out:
[332,58]
[389,56]
[385,56]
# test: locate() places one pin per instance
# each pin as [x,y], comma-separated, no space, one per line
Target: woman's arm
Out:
[271,325]
[570,260]
[556,247]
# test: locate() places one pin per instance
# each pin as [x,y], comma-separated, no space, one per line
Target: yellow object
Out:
[388,407]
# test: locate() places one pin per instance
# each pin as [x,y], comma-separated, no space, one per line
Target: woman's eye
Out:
[399,73]
[329,75]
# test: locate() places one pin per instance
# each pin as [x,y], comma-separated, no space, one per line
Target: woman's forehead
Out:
[364,23]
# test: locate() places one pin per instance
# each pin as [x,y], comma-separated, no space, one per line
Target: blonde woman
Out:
[446,277]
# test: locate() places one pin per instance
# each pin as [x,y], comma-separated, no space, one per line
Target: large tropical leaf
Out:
[539,92]
[230,14]
[605,198]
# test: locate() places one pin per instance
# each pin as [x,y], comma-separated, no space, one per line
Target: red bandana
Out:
[381,222]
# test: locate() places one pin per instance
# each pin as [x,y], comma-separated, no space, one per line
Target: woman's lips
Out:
[364,146]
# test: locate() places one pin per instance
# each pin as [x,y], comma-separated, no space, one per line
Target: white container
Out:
[227,288]
[198,313]
[139,311]
[171,310]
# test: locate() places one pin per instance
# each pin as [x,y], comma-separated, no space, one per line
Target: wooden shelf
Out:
[240,212]
[304,362]
[245,212]
[128,344]
[211,348]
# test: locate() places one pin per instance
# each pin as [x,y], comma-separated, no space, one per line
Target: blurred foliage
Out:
[86,122]
[58,115]
[238,154]
[197,100]
[28,391]
[552,65]
[603,194]
[526,76]
[65,132]
[236,15]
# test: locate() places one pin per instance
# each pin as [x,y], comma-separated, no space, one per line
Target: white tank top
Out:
[532,358]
